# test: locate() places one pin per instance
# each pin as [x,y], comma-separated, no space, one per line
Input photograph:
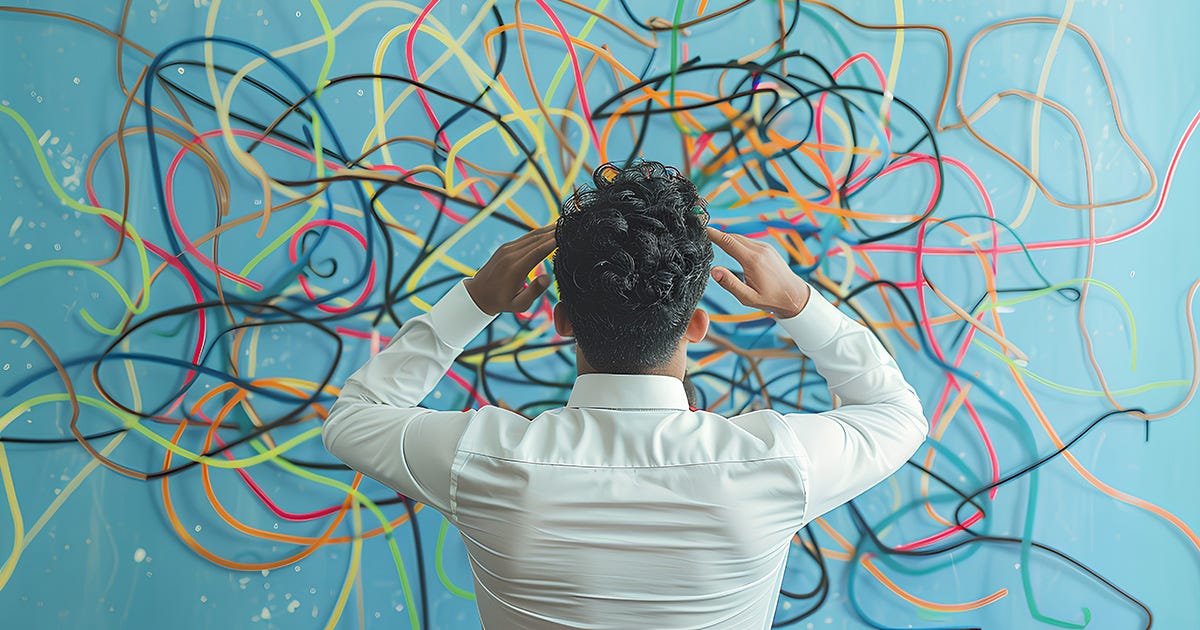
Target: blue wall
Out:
[104,538]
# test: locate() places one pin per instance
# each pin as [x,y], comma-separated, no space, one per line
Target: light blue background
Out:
[82,569]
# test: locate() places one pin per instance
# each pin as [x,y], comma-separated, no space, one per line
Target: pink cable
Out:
[701,144]
[819,111]
[467,386]
[430,197]
[583,102]
[937,350]
[358,334]
[169,194]
[295,240]
[920,250]
[202,328]
[929,540]
[1067,243]
[412,72]
[262,495]
[902,163]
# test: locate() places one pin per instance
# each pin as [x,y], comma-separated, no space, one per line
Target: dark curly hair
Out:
[632,262]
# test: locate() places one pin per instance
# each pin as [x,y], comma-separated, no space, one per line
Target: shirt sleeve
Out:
[376,425]
[879,424]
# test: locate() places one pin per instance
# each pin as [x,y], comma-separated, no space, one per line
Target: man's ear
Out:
[697,327]
[562,324]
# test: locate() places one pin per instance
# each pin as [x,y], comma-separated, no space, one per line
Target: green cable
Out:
[675,65]
[988,305]
[438,559]
[66,200]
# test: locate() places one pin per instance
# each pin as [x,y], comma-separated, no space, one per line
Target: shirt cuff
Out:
[814,326]
[456,319]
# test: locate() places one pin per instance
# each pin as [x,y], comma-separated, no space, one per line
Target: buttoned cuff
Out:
[456,319]
[814,326]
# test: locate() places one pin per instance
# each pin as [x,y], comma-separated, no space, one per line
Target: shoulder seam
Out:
[573,465]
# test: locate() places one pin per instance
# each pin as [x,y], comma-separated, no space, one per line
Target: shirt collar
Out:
[628,391]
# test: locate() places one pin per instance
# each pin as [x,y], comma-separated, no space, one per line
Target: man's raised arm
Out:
[879,423]
[376,425]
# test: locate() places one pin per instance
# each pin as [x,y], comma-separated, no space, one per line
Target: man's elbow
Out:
[915,419]
[327,436]
[331,428]
[909,425]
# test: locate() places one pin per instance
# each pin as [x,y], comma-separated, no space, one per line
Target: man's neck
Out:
[676,367]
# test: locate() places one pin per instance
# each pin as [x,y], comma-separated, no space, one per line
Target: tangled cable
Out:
[304,232]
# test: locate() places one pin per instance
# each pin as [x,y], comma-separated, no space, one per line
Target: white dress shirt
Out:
[625,509]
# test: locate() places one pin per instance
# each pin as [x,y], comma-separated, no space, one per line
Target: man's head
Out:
[632,262]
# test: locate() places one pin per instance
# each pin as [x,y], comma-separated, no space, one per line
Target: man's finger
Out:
[734,286]
[531,292]
[538,233]
[534,252]
[533,238]
[525,240]
[733,244]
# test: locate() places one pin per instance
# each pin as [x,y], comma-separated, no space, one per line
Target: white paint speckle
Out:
[140,554]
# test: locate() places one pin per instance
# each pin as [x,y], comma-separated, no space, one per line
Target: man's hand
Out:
[770,284]
[499,285]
